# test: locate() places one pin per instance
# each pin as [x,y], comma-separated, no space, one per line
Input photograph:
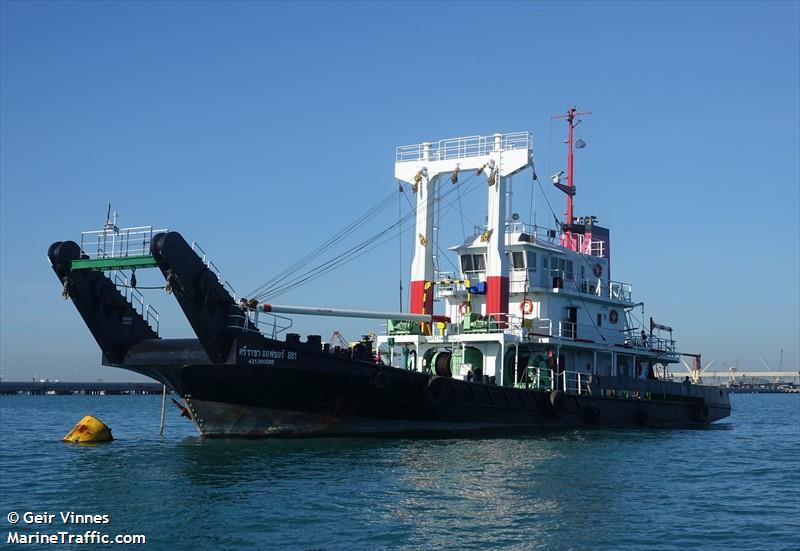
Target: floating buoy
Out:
[89,429]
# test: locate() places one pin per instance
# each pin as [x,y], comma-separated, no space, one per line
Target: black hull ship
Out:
[572,357]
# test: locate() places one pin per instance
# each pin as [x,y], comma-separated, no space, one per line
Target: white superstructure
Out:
[528,302]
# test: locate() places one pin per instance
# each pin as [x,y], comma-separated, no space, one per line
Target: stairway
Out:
[113,319]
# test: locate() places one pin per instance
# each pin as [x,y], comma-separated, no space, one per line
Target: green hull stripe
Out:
[100,264]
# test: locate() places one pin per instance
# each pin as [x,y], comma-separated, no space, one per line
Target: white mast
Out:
[499,156]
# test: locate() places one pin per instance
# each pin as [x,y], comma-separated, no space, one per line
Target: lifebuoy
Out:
[597,269]
[638,369]
[526,307]
[613,316]
[463,308]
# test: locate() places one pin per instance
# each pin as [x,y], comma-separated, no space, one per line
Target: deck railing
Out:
[543,378]
[118,242]
[273,325]
[463,147]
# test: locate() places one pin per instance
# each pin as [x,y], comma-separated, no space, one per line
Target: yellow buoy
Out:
[89,429]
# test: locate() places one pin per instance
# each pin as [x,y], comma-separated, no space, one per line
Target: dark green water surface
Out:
[733,486]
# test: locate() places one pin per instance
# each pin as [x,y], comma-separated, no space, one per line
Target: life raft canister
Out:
[526,306]
[613,316]
[597,269]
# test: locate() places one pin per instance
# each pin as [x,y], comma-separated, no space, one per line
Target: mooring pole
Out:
[163,408]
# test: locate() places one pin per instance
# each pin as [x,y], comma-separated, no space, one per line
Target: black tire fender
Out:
[380,380]
[700,412]
[556,402]
[435,391]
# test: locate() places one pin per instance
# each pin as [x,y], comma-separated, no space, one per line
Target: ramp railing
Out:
[213,268]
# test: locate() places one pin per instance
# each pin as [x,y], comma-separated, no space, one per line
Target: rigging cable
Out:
[310,256]
[283,286]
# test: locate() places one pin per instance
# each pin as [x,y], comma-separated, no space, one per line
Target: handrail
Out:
[275,328]
[118,243]
[151,317]
[544,378]
[136,299]
[466,146]
[199,251]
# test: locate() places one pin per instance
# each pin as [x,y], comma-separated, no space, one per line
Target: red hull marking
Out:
[421,300]
[497,295]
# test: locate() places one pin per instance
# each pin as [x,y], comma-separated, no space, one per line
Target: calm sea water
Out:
[733,486]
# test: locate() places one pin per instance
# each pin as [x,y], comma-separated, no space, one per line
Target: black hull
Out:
[320,394]
[237,382]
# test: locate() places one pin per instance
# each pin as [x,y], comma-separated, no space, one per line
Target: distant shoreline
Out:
[59,388]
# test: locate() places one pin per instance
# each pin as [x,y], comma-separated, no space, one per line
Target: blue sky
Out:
[258,129]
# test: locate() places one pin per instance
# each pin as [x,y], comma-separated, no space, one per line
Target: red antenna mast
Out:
[567,239]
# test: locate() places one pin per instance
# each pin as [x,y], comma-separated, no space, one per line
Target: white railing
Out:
[463,147]
[619,291]
[151,316]
[544,378]
[539,233]
[649,343]
[118,243]
[575,382]
[198,250]
[136,298]
[615,290]
[538,378]
[274,325]
[593,247]
[519,285]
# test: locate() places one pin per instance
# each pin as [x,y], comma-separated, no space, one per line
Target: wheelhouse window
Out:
[467,265]
[473,263]
[531,261]
[517,260]
[564,268]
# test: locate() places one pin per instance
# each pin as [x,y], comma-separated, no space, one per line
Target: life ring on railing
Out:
[597,269]
[613,316]
[463,308]
[526,307]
